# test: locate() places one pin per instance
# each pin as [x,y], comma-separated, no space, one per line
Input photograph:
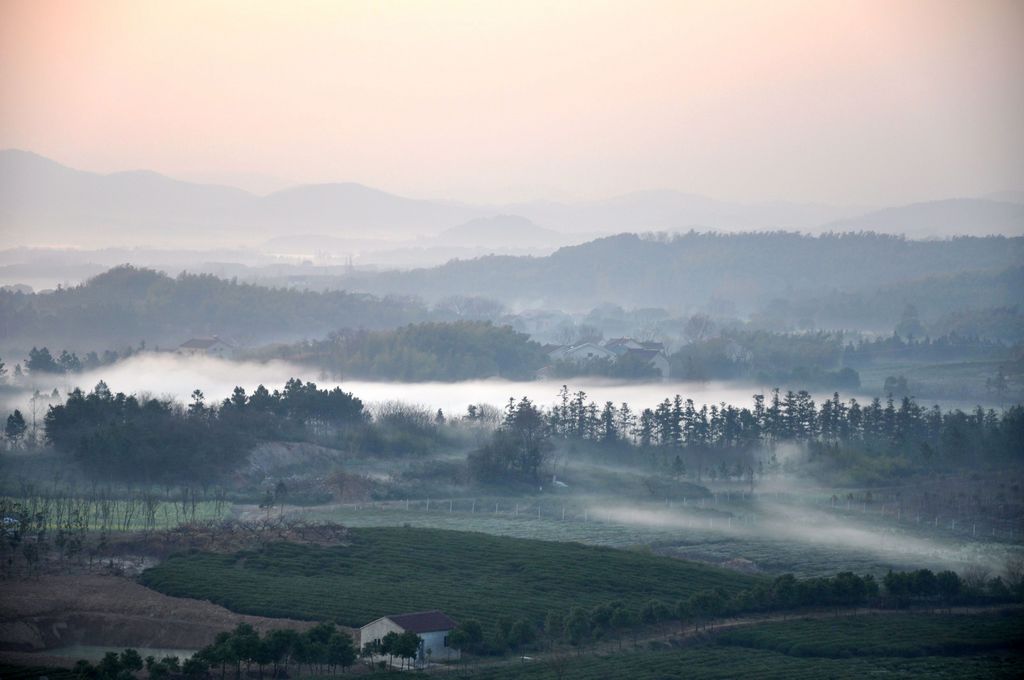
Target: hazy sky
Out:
[843,102]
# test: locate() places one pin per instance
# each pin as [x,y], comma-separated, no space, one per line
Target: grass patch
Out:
[397,569]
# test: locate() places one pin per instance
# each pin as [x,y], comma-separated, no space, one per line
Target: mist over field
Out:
[175,377]
[557,341]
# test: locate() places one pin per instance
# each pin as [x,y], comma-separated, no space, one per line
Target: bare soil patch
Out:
[95,609]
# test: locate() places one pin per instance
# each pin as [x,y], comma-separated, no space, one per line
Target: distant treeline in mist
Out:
[980,303]
[461,350]
[745,270]
[870,442]
[127,305]
[464,350]
[41,360]
[152,440]
[830,360]
[966,287]
[128,438]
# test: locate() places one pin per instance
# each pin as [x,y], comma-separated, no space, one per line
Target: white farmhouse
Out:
[211,347]
[655,358]
[432,626]
[586,352]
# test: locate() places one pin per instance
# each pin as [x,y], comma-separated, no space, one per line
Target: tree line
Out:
[124,437]
[158,441]
[41,360]
[678,427]
[580,626]
[143,304]
[323,648]
[460,350]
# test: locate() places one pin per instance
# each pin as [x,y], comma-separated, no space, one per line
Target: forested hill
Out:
[690,269]
[127,305]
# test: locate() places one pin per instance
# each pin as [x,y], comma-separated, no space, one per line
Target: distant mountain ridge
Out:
[58,202]
[499,230]
[45,203]
[748,269]
[940,219]
[667,210]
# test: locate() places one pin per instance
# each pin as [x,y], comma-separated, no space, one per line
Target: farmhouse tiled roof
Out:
[424,622]
[199,343]
[204,343]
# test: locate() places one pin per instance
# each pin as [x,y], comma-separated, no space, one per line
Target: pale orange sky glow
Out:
[843,102]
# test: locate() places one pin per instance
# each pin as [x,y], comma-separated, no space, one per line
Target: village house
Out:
[580,353]
[433,627]
[651,352]
[539,323]
[654,357]
[620,346]
[210,347]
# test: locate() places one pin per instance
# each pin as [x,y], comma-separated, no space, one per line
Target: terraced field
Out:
[395,569]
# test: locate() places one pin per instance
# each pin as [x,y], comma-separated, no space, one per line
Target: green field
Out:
[890,646]
[468,575]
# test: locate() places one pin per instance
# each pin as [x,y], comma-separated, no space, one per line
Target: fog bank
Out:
[174,376]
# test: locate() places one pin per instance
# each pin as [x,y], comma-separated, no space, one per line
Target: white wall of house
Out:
[660,362]
[587,351]
[376,630]
[221,350]
[433,647]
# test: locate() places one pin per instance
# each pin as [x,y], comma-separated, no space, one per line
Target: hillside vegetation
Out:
[747,270]
[462,350]
[127,305]
[467,575]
